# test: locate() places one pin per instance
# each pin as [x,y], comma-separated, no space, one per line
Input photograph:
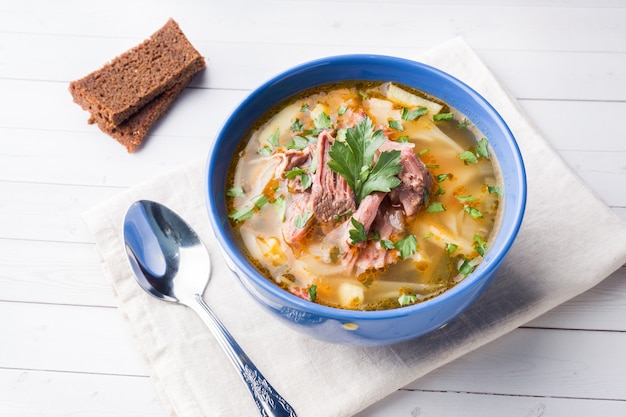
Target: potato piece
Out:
[381,111]
[282,121]
[350,294]
[409,100]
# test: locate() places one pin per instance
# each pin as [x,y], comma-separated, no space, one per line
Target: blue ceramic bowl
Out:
[366,328]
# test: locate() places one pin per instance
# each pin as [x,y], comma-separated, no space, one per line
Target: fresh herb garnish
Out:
[297,126]
[495,189]
[469,157]
[466,267]
[435,207]
[305,178]
[302,219]
[297,143]
[443,116]
[442,177]
[396,125]
[408,114]
[482,149]
[242,213]
[280,204]
[407,246]
[465,198]
[403,139]
[480,245]
[322,121]
[353,160]
[260,200]
[265,151]
[406,299]
[342,109]
[312,291]
[273,139]
[358,234]
[235,192]
[387,244]
[473,211]
[451,247]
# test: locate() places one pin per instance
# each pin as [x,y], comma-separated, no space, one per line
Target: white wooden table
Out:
[64,349]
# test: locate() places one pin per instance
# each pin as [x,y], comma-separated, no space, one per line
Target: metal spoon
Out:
[171,263]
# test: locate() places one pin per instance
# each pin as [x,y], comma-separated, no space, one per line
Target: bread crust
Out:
[126,84]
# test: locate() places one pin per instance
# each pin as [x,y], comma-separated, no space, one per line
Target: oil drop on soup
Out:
[364,196]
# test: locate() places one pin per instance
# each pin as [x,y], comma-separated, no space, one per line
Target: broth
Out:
[364,196]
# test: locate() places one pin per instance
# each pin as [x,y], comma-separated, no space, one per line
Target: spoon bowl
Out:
[171,263]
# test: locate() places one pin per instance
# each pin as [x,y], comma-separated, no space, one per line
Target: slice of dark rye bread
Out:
[130,81]
[133,130]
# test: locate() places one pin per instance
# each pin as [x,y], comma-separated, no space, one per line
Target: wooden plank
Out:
[562,28]
[28,393]
[455,404]
[541,363]
[601,308]
[579,75]
[67,338]
[52,273]
[48,211]
[533,362]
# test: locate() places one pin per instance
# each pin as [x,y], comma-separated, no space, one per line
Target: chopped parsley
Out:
[242,213]
[358,234]
[473,211]
[312,291]
[443,116]
[406,246]
[451,247]
[406,299]
[435,207]
[235,192]
[408,114]
[469,157]
[353,160]
[302,219]
[396,125]
[466,267]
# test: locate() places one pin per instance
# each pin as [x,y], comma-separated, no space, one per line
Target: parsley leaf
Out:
[495,189]
[353,160]
[273,139]
[469,157]
[312,291]
[322,121]
[406,299]
[408,114]
[474,212]
[481,148]
[235,192]
[302,219]
[387,244]
[280,204]
[451,247]
[443,116]
[435,207]
[466,267]
[242,213]
[394,124]
[407,246]
[358,234]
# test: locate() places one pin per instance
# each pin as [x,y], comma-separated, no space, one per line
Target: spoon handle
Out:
[267,400]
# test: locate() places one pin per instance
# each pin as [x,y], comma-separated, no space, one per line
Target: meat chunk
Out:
[331,193]
[300,208]
[416,180]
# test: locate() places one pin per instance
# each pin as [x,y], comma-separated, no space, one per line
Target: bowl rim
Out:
[504,238]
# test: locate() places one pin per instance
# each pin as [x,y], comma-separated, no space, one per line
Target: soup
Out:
[364,196]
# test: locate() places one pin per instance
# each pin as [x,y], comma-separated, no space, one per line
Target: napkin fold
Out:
[560,252]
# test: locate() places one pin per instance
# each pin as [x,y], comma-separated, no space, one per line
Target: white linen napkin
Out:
[561,251]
